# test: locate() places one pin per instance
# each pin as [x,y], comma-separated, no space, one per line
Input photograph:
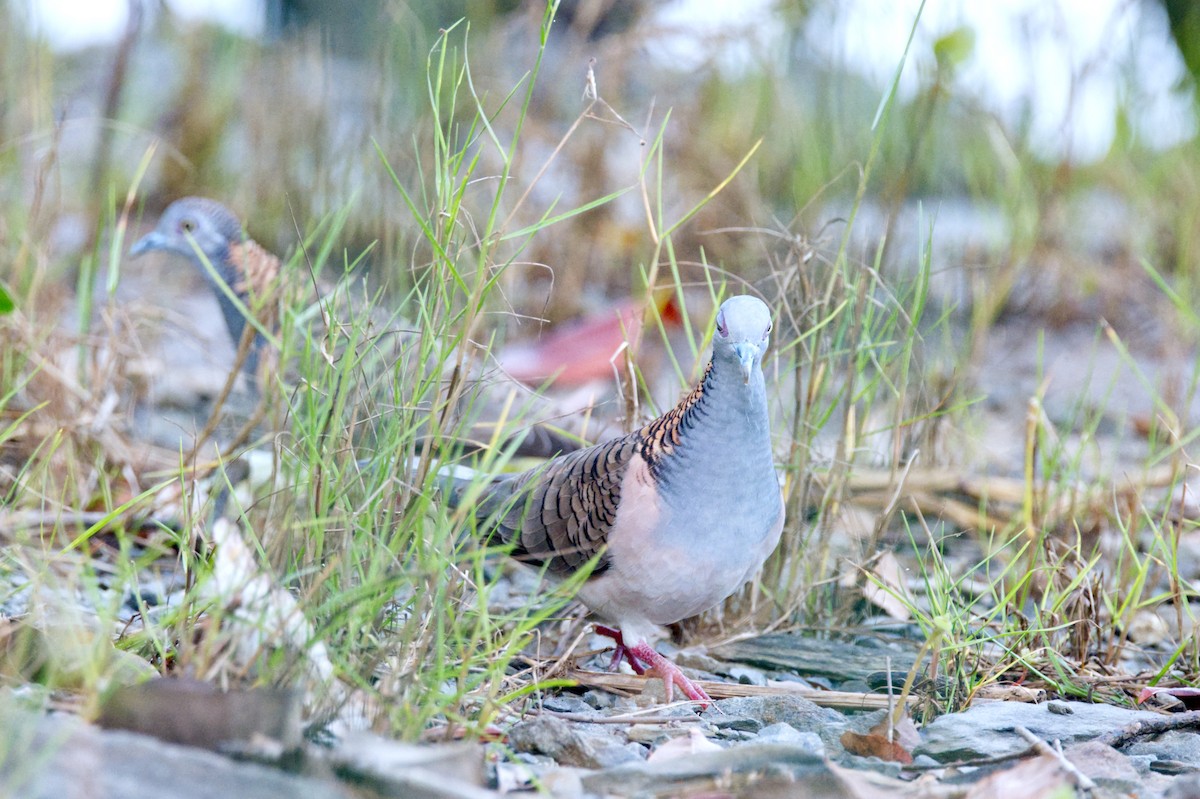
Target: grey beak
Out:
[746,352]
[151,241]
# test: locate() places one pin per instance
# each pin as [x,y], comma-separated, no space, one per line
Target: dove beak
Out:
[745,353]
[151,241]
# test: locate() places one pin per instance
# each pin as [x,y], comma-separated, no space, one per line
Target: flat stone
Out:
[748,676]
[401,769]
[570,744]
[1179,745]
[796,711]
[568,703]
[195,713]
[760,770]
[47,757]
[737,723]
[783,733]
[840,660]
[986,728]
[1105,766]
[653,734]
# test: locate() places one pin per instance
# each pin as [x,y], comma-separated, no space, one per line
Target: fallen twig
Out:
[1144,729]
[634,684]
[1041,747]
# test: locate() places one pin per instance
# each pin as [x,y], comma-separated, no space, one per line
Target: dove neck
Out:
[722,424]
[729,400]
[235,321]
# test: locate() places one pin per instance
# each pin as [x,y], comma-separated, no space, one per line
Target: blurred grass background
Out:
[284,122]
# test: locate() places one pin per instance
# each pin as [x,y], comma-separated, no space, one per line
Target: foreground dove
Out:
[678,514]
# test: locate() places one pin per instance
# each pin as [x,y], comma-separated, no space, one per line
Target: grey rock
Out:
[399,769]
[1105,766]
[695,659]
[567,703]
[783,733]
[653,734]
[772,770]
[1180,745]
[1185,787]
[1142,762]
[783,676]
[986,728]
[797,711]
[195,713]
[570,744]
[800,713]
[737,723]
[840,660]
[748,676]
[46,757]
[604,700]
[854,687]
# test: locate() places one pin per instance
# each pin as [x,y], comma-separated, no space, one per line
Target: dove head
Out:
[212,227]
[742,334]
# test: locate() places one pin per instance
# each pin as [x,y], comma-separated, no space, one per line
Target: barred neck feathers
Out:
[660,437]
[719,418]
[255,270]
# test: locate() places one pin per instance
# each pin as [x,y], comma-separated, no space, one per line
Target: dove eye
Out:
[722,328]
[188,225]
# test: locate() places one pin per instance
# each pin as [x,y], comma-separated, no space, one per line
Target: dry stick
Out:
[1142,729]
[549,160]
[214,418]
[891,705]
[885,515]
[111,111]
[634,684]
[625,718]
[1043,748]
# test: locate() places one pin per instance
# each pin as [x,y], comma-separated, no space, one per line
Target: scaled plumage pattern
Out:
[678,514]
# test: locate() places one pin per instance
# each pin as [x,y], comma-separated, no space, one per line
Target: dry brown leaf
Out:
[875,745]
[886,740]
[903,731]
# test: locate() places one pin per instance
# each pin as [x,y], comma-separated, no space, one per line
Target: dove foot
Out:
[671,674]
[620,650]
[655,663]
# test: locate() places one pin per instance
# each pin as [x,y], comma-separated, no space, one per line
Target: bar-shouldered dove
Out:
[677,515]
[202,229]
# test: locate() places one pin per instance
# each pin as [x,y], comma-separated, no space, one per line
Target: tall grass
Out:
[375,387]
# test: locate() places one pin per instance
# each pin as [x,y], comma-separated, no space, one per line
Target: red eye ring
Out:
[722,328]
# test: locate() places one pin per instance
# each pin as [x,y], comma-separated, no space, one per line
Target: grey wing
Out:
[560,515]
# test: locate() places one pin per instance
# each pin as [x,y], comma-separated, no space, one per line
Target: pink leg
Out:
[670,673]
[643,652]
[620,651]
